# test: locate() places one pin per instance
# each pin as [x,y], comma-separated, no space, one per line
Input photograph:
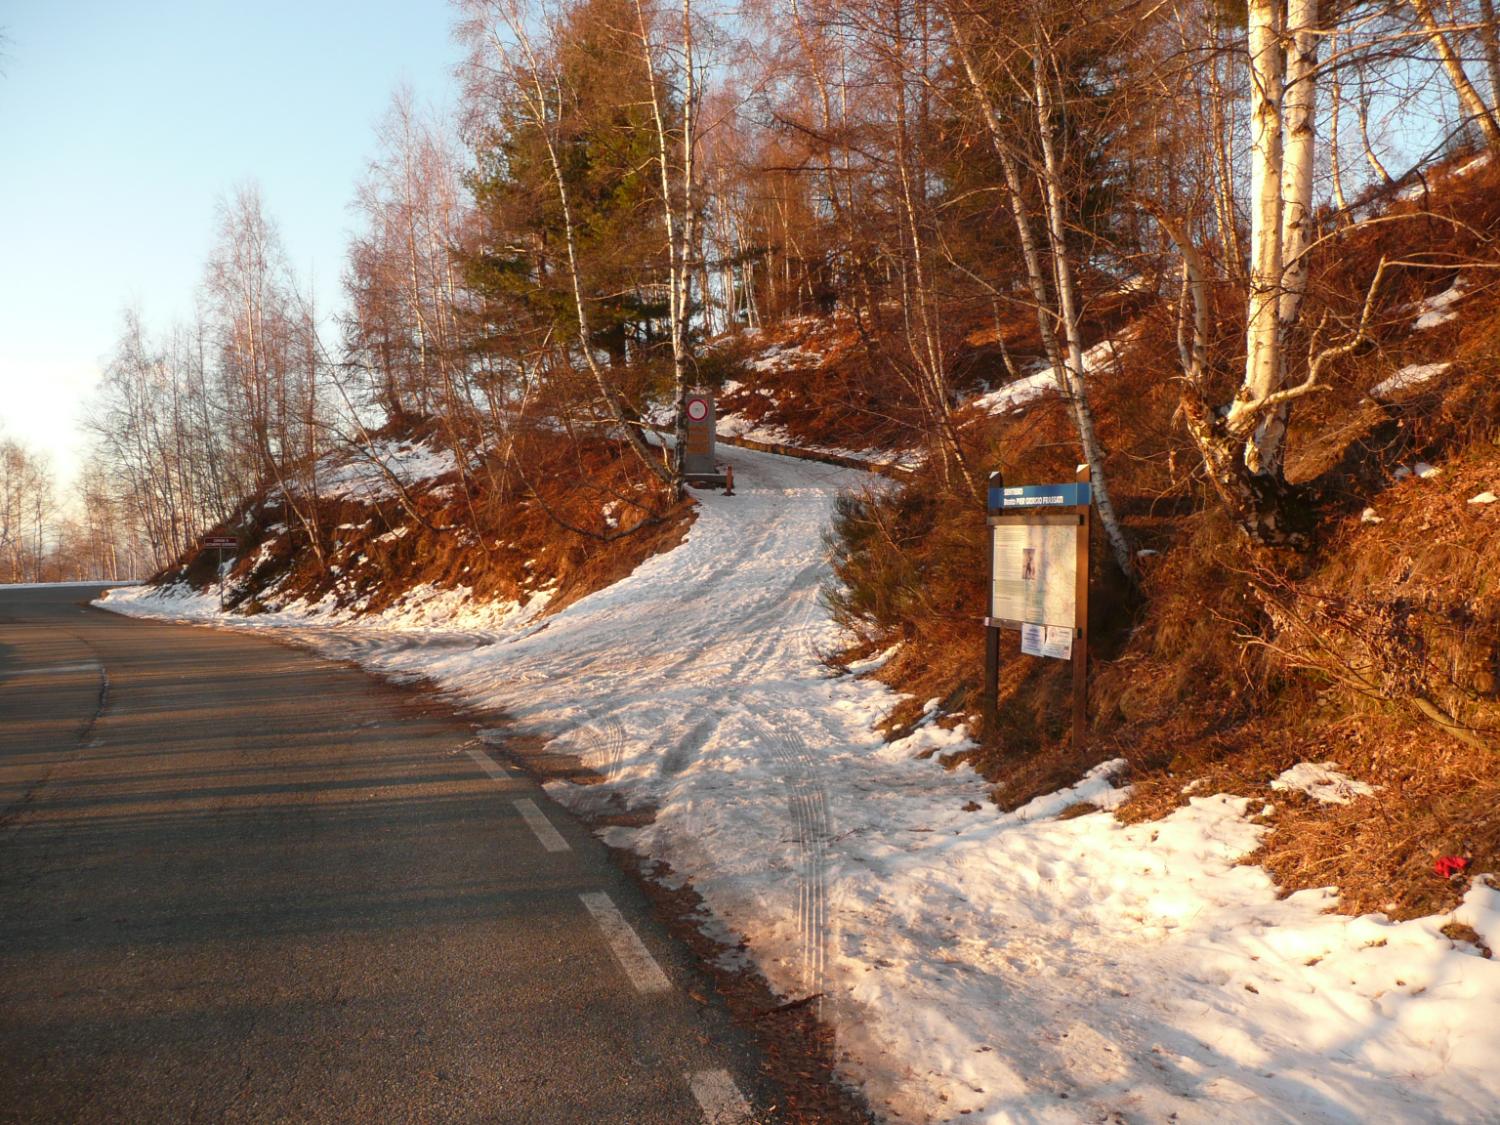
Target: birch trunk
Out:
[1299,120]
[1047,311]
[1263,366]
[1468,96]
[1067,297]
[677,212]
[1489,42]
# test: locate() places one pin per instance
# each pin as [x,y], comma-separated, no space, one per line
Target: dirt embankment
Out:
[535,515]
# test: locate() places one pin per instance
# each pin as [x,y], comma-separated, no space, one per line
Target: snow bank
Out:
[976,967]
[421,610]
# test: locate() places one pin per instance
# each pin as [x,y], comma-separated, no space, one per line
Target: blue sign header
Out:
[1041,496]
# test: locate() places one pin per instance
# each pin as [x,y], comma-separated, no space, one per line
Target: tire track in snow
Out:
[807,803]
[604,747]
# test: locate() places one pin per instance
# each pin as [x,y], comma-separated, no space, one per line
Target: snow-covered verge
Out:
[65,585]
[1033,966]
[424,610]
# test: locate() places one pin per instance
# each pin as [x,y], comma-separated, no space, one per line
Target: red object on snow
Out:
[1448,866]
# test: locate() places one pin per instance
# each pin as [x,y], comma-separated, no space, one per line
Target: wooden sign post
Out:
[1039,583]
[222,543]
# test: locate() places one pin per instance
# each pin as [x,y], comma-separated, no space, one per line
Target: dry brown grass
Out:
[1234,663]
[503,533]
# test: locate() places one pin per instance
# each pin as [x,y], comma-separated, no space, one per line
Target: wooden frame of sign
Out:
[1037,532]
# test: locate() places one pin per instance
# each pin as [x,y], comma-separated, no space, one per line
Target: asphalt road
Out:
[238,882]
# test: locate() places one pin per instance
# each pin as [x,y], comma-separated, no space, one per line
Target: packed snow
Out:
[1046,965]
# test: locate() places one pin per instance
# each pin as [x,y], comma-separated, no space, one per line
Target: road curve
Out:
[238,882]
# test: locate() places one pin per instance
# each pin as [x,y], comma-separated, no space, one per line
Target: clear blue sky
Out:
[120,126]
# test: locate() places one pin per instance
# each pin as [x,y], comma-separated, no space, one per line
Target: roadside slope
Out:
[975,966]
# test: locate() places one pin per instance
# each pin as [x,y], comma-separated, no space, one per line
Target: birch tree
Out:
[680,205]
[1447,51]
[1026,58]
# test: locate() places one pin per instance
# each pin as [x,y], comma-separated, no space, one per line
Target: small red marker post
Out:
[729,480]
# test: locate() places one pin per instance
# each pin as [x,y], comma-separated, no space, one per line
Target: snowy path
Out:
[977,967]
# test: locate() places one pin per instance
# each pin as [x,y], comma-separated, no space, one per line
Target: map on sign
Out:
[1035,573]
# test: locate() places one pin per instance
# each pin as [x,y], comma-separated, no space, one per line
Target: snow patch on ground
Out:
[975,966]
[781,357]
[65,585]
[421,610]
[1016,394]
[1322,782]
[367,474]
[1413,375]
[1104,355]
[738,426]
[1437,310]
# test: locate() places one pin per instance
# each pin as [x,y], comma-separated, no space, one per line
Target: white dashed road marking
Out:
[496,771]
[719,1098]
[638,964]
[539,824]
[53,670]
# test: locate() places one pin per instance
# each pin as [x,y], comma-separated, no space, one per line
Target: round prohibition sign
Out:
[697,409]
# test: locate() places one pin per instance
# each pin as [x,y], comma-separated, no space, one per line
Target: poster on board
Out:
[1047,640]
[1035,573]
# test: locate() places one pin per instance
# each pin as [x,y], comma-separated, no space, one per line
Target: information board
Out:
[1035,573]
[1039,567]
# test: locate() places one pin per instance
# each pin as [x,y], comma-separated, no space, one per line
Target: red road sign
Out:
[697,408]
[223,542]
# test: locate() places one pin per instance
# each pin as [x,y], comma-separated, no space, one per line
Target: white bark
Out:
[1049,312]
[1263,357]
[1489,42]
[678,206]
[1468,97]
[1299,121]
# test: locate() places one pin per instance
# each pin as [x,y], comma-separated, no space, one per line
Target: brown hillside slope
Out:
[1375,651]
[581,515]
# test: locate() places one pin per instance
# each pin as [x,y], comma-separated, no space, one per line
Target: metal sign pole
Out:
[221,579]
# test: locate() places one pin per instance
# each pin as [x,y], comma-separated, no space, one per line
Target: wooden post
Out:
[1081,622]
[991,686]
